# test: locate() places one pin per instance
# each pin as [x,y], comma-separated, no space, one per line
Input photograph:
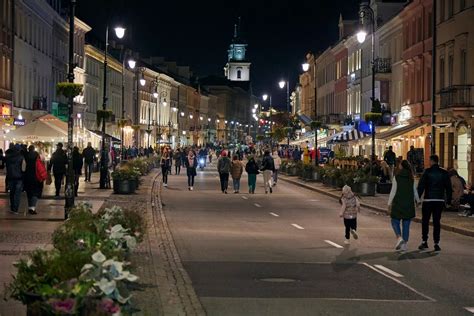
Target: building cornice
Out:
[98,55]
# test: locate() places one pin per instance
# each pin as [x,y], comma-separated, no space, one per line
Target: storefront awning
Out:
[304,119]
[328,139]
[397,131]
[47,128]
[99,133]
[348,136]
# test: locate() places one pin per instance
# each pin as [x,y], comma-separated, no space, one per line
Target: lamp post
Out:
[119,32]
[69,193]
[131,64]
[366,11]
[306,66]
[268,97]
[282,85]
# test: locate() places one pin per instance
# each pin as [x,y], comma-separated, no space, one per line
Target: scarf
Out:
[191,161]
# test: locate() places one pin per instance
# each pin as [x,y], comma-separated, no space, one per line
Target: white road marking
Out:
[297,226]
[470,309]
[385,269]
[333,244]
[257,205]
[274,214]
[244,197]
[314,200]
[399,282]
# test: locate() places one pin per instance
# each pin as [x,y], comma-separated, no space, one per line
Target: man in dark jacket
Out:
[390,158]
[58,165]
[268,166]
[77,166]
[15,167]
[89,155]
[224,168]
[436,186]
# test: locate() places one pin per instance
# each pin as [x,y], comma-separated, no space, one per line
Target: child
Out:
[349,209]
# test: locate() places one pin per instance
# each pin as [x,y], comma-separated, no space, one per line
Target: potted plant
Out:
[125,181]
[384,188]
[366,183]
[299,168]
[318,173]
[307,173]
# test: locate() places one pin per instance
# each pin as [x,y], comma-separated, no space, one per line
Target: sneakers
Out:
[399,243]
[354,234]
[404,246]
[14,212]
[347,241]
[266,192]
[271,191]
[32,212]
[437,247]
[423,246]
[189,188]
[192,188]
[165,185]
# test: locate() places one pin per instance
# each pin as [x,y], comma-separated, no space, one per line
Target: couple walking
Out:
[226,167]
[436,187]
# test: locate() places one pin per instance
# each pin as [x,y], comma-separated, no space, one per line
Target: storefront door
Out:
[463,144]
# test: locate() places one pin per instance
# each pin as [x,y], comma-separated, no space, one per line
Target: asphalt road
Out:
[284,254]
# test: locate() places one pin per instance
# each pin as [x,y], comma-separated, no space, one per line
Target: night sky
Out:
[197,33]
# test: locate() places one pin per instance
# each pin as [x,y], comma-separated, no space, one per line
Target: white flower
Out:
[29,263]
[98,257]
[106,286]
[121,299]
[131,241]
[87,266]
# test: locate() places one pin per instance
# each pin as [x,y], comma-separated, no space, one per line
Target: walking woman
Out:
[191,163]
[224,168]
[165,167]
[33,187]
[252,170]
[177,161]
[236,172]
[401,203]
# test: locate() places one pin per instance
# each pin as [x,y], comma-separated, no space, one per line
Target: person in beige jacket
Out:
[236,171]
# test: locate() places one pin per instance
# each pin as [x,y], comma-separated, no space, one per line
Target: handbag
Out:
[41,173]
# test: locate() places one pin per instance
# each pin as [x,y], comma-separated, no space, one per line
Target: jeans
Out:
[88,170]
[164,172]
[177,169]
[428,208]
[236,183]
[77,175]
[267,179]
[350,223]
[275,176]
[252,180]
[58,178]
[32,200]
[224,181]
[15,187]
[405,231]
[190,181]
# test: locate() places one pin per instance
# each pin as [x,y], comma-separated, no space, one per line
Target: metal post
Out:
[123,105]
[104,155]
[372,17]
[316,154]
[433,80]
[288,109]
[69,193]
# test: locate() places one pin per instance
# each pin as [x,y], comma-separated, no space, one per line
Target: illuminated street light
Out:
[132,63]
[120,32]
[305,66]
[281,84]
[361,36]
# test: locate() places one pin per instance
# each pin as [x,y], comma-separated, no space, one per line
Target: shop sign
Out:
[404,115]
[8,120]
[19,122]
[6,110]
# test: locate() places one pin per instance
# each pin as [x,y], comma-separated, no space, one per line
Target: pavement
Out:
[451,221]
[283,254]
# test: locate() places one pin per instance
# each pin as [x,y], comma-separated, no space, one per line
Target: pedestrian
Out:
[32,185]
[16,165]
[268,166]
[224,168]
[252,171]
[210,156]
[2,167]
[277,163]
[89,155]
[457,188]
[177,161]
[170,155]
[191,163]
[58,165]
[384,172]
[350,208]
[165,167]
[401,203]
[412,158]
[390,158]
[436,187]
[236,171]
[77,162]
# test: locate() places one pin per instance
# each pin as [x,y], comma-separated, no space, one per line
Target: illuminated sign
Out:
[405,114]
[19,122]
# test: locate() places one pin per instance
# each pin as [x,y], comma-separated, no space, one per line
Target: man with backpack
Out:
[89,155]
[268,166]
[224,167]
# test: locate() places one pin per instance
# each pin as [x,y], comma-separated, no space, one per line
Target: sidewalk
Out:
[450,221]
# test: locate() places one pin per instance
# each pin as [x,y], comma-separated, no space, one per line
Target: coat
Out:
[236,169]
[403,196]
[58,162]
[191,170]
[224,165]
[251,167]
[30,184]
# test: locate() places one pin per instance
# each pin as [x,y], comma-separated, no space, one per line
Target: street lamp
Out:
[104,183]
[282,85]
[306,66]
[365,11]
[131,64]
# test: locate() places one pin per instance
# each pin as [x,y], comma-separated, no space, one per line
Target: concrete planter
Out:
[367,189]
[124,186]
[384,188]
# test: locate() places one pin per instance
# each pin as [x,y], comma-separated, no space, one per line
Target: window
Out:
[441,11]
[450,70]
[239,74]
[450,8]
[462,4]
[430,24]
[463,61]
[441,73]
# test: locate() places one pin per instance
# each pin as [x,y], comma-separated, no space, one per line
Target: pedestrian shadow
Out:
[394,256]
[342,263]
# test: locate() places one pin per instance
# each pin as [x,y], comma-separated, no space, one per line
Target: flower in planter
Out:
[66,306]
[107,305]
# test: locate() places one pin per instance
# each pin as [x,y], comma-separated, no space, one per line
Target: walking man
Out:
[390,158]
[89,155]
[268,166]
[58,165]
[15,167]
[436,185]
[277,163]
[224,168]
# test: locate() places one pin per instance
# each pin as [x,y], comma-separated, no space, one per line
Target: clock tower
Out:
[237,67]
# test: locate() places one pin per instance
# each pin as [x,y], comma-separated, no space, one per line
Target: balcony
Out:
[383,65]
[459,97]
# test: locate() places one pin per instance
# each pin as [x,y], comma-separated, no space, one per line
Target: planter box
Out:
[367,189]
[124,186]
[355,187]
[292,171]
[316,176]
[384,188]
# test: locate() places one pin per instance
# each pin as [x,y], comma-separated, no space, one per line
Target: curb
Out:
[446,227]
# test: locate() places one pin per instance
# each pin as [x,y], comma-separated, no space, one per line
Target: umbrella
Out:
[47,128]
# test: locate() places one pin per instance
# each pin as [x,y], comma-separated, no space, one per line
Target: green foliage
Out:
[124,174]
[103,115]
[260,138]
[316,125]
[372,117]
[279,134]
[68,89]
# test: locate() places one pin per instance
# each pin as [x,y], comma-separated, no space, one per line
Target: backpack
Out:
[41,173]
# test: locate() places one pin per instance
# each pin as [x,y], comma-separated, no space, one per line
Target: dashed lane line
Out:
[469,309]
[297,226]
[333,244]
[274,214]
[244,197]
[257,205]
[389,271]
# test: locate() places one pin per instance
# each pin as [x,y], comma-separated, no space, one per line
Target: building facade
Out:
[6,56]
